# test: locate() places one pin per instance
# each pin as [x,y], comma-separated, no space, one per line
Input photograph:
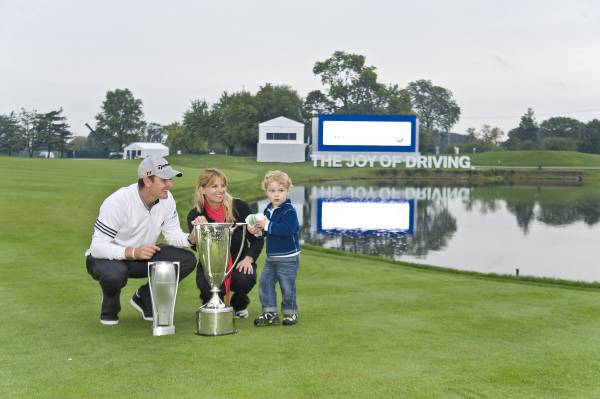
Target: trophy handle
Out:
[198,235]
[232,229]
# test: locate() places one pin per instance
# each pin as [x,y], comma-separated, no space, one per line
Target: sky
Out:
[498,58]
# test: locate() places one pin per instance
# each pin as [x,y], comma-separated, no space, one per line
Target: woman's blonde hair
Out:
[277,176]
[207,177]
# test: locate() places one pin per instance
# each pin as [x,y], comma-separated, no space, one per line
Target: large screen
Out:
[376,133]
[364,216]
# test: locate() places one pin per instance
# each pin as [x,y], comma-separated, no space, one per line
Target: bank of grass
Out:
[368,327]
[536,158]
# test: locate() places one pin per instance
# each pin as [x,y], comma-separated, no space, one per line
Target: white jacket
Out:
[125,221]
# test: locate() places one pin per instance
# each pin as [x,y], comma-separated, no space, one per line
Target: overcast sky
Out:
[497,57]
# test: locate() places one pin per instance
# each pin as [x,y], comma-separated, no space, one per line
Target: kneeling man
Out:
[125,234]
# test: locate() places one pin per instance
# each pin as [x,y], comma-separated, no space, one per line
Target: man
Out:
[125,233]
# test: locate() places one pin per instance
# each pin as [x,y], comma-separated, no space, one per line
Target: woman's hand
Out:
[245,265]
[260,223]
[199,220]
[254,230]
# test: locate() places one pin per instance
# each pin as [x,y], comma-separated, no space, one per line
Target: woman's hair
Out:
[206,178]
[277,176]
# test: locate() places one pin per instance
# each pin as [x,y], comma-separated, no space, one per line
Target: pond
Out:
[542,231]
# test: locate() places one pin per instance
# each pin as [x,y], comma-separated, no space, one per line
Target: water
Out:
[543,231]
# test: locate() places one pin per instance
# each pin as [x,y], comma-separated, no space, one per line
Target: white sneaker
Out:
[111,322]
[241,314]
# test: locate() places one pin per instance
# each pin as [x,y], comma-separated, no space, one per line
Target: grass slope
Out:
[368,328]
[536,158]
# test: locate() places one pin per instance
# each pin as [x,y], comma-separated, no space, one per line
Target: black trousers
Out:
[113,274]
[241,284]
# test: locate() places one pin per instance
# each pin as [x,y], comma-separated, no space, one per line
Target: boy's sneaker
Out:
[266,319]
[138,304]
[290,320]
[109,319]
[241,314]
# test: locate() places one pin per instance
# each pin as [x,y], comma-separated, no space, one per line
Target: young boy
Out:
[283,252]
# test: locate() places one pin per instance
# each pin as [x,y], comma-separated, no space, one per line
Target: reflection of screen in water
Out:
[364,216]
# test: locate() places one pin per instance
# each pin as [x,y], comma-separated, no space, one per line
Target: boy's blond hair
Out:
[279,177]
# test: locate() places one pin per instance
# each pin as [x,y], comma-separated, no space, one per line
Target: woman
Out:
[213,204]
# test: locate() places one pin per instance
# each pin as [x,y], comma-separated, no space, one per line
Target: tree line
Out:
[30,131]
[557,133]
[230,125]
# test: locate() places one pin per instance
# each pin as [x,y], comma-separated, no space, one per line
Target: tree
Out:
[397,100]
[53,131]
[28,121]
[317,102]
[176,139]
[486,139]
[272,101]
[526,136]
[11,134]
[352,88]
[491,135]
[590,137]
[155,133]
[197,130]
[560,133]
[561,126]
[121,120]
[436,108]
[236,121]
[78,143]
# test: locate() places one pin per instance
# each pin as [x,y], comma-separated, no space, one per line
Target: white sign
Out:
[367,133]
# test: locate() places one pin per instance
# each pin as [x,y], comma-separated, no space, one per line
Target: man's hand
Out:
[145,252]
[245,265]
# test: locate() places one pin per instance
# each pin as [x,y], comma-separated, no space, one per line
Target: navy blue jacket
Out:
[282,234]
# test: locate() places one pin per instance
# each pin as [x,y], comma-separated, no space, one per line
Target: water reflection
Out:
[543,231]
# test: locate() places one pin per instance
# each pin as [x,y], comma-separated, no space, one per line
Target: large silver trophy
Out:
[163,279]
[213,241]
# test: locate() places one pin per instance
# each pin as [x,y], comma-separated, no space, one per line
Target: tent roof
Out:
[281,121]
[147,146]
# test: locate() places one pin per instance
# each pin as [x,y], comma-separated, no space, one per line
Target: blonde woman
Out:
[214,204]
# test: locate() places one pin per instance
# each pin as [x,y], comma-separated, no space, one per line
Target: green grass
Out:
[368,327]
[536,158]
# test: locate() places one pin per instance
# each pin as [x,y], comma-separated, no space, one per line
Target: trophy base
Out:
[163,330]
[215,321]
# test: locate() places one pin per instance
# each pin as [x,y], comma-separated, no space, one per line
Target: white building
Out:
[142,150]
[280,140]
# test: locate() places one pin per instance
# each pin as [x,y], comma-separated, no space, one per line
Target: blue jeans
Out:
[284,271]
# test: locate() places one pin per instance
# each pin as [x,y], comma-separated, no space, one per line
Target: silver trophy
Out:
[163,278]
[213,241]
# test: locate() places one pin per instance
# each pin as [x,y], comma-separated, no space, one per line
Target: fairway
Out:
[367,327]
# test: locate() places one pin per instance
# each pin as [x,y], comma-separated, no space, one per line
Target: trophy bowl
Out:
[213,242]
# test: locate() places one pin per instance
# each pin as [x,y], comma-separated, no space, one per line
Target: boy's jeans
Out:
[284,271]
